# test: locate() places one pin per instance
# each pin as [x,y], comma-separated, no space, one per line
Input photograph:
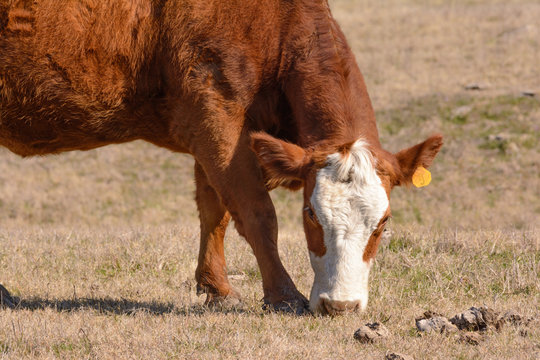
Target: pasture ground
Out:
[101,246]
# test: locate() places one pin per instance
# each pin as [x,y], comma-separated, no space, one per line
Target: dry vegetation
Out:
[101,246]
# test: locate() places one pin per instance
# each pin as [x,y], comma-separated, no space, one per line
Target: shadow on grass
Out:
[109,306]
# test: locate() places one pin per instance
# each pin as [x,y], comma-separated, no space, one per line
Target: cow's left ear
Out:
[419,155]
[283,163]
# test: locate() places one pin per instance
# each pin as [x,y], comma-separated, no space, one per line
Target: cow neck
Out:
[326,89]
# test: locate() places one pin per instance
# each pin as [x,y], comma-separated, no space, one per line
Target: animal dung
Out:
[513,318]
[472,338]
[397,356]
[371,332]
[477,319]
[471,325]
[438,324]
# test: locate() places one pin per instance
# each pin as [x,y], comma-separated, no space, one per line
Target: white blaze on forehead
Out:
[349,201]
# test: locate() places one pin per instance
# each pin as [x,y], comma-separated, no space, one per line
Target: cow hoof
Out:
[6,300]
[230,301]
[298,306]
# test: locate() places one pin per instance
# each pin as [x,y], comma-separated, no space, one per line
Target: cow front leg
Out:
[211,273]
[6,299]
[235,174]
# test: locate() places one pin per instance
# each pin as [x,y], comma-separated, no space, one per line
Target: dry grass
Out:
[102,245]
[129,294]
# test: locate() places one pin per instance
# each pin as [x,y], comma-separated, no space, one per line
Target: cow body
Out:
[75,75]
[243,86]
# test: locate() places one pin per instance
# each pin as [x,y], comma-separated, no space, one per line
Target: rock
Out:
[386,235]
[477,319]
[502,137]
[462,111]
[397,356]
[475,86]
[512,148]
[472,338]
[371,332]
[528,93]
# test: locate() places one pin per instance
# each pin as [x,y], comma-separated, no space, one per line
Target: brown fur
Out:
[198,77]
[375,238]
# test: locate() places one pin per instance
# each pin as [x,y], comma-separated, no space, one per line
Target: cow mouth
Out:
[335,307]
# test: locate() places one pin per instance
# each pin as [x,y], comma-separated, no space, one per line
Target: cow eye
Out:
[310,213]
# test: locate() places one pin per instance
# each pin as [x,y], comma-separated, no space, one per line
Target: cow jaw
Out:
[349,200]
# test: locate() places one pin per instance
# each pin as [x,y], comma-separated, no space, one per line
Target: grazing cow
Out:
[262,93]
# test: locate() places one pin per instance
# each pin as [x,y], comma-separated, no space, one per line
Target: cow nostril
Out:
[335,307]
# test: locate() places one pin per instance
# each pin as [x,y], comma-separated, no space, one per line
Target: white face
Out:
[349,200]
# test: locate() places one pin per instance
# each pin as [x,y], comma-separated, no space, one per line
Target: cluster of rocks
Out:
[469,326]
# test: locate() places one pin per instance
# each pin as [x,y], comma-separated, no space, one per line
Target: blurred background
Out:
[467,69]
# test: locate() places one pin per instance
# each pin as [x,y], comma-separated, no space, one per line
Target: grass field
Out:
[101,246]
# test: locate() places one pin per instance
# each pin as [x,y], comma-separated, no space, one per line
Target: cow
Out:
[262,93]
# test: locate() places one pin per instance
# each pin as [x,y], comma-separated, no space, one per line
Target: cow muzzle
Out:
[336,307]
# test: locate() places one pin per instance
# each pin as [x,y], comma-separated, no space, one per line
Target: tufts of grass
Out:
[84,315]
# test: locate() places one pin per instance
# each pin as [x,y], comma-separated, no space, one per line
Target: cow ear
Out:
[283,163]
[418,155]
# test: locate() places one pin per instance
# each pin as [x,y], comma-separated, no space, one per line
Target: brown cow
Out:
[262,93]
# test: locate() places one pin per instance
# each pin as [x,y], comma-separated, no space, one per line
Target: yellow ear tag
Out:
[421,177]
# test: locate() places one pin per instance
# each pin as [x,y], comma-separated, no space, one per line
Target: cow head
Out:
[346,206]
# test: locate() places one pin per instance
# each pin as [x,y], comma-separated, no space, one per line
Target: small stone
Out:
[528,93]
[472,338]
[386,235]
[512,148]
[462,111]
[475,86]
[502,137]
[397,356]
[371,332]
